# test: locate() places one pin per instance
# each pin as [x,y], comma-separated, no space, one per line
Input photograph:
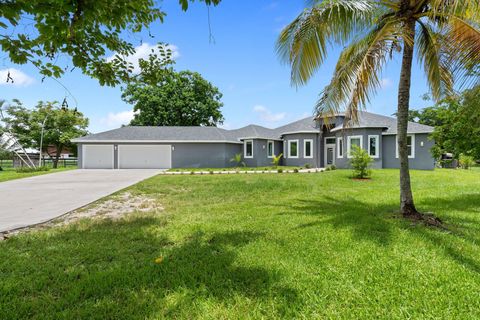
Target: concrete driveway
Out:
[29,201]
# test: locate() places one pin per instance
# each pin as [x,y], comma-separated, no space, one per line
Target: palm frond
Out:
[464,46]
[432,55]
[469,9]
[357,72]
[304,42]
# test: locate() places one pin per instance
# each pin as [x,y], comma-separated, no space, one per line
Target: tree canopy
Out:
[61,125]
[162,96]
[40,31]
[457,124]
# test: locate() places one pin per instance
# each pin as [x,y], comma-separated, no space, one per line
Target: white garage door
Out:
[97,156]
[144,156]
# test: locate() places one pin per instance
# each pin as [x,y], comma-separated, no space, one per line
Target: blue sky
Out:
[241,62]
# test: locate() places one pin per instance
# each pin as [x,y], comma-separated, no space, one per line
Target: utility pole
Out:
[41,141]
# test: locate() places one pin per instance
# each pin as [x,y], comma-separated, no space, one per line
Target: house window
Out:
[340,148]
[293,148]
[329,140]
[353,141]
[248,149]
[270,149]
[285,155]
[308,148]
[410,146]
[373,146]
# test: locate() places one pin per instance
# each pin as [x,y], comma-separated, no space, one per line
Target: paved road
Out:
[28,201]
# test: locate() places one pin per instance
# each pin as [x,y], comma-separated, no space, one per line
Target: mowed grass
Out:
[316,245]
[11,174]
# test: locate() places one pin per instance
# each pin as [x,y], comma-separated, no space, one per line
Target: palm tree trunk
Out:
[407,207]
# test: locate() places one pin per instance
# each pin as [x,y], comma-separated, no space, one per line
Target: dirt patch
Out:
[115,207]
[427,219]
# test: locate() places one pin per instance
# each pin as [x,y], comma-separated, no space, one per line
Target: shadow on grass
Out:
[461,231]
[464,202]
[365,221]
[107,270]
[374,223]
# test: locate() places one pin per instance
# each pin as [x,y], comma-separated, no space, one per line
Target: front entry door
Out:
[329,154]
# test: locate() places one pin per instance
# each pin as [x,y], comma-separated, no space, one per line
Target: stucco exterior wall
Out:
[344,162]
[260,156]
[204,155]
[423,158]
[218,155]
[191,155]
[301,160]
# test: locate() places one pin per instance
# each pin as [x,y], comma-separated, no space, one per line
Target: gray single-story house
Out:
[311,141]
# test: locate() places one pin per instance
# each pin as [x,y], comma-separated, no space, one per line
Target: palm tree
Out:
[443,34]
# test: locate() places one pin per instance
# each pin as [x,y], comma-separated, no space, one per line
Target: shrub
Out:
[1,169]
[360,163]
[280,170]
[211,171]
[27,169]
[466,161]
[307,165]
[330,167]
[237,158]
[192,172]
[276,159]
[295,170]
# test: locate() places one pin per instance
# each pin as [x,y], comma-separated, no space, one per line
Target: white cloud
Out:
[268,116]
[386,83]
[116,120]
[20,79]
[143,51]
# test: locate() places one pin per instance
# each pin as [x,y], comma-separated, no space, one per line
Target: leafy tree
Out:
[360,163]
[162,96]
[61,125]
[40,31]
[5,154]
[444,34]
[457,124]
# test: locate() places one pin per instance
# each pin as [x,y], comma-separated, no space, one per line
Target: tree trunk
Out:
[407,207]
[57,156]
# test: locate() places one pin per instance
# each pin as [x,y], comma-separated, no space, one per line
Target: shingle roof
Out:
[138,133]
[308,124]
[372,120]
[253,131]
[213,134]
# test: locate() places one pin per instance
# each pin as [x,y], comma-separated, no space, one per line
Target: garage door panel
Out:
[144,156]
[97,157]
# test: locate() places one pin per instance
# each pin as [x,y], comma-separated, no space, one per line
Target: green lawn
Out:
[316,245]
[11,174]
